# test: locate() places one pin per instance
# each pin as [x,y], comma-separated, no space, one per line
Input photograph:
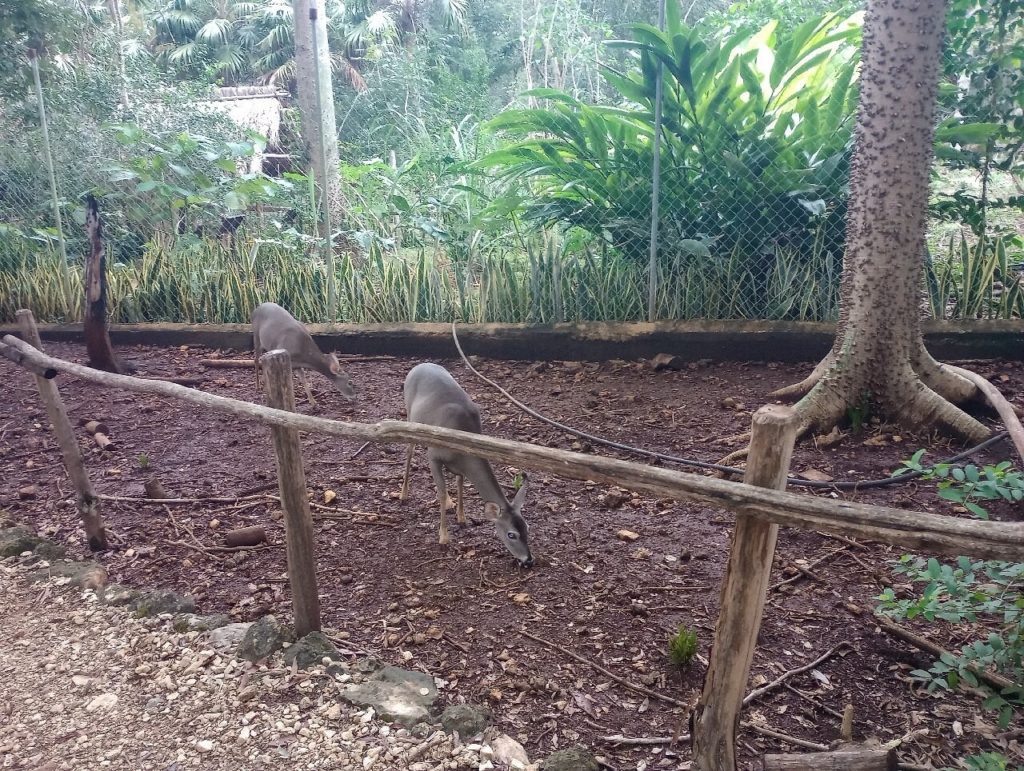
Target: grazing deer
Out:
[273,327]
[433,397]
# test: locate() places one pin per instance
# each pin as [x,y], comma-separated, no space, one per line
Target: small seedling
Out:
[682,647]
[143,460]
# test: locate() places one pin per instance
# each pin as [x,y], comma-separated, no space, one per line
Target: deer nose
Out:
[528,562]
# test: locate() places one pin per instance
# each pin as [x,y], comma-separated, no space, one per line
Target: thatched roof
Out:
[255,108]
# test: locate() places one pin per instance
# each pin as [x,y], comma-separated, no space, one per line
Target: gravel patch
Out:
[89,686]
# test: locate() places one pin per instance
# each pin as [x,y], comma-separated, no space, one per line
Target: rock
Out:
[204,745]
[507,751]
[395,694]
[263,638]
[49,551]
[310,651]
[117,594]
[15,540]
[627,535]
[465,719]
[667,361]
[28,493]
[572,759]
[228,636]
[102,703]
[87,575]
[161,601]
[190,622]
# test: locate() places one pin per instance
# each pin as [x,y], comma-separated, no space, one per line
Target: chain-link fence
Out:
[563,212]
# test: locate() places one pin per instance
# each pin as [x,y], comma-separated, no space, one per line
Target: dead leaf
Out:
[831,439]
[627,535]
[329,496]
[820,677]
[584,702]
[878,440]
[816,476]
[521,598]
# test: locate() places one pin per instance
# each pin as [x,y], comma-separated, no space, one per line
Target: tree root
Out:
[804,387]
[999,404]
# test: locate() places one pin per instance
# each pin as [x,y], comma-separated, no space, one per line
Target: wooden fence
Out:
[759,502]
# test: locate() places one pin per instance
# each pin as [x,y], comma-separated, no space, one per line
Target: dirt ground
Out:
[464,612]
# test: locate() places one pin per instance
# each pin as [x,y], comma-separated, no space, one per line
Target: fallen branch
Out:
[760,729]
[805,572]
[995,680]
[184,501]
[643,741]
[999,404]
[620,680]
[759,692]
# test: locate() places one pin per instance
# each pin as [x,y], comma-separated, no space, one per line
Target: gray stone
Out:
[117,594]
[161,601]
[263,638]
[507,751]
[49,551]
[395,694]
[571,759]
[87,575]
[310,651]
[190,622]
[465,719]
[228,636]
[18,539]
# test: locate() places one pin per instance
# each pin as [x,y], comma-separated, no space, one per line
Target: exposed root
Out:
[801,389]
[927,408]
[734,456]
[947,381]
[999,404]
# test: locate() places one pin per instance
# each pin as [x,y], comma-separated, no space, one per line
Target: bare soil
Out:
[460,612]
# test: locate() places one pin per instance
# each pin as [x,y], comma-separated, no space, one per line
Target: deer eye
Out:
[513,535]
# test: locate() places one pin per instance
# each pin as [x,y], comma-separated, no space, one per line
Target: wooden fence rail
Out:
[925,531]
[760,505]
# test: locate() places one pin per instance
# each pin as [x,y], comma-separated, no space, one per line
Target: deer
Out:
[434,398]
[275,328]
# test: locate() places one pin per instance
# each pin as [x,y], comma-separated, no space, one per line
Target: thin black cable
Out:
[794,481]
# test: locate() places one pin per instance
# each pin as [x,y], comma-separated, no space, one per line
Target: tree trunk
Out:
[879,355]
[97,339]
[319,132]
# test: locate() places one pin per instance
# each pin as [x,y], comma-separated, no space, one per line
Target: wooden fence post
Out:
[277,375]
[744,589]
[87,502]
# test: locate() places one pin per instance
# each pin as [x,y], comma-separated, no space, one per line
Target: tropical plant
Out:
[982,99]
[755,144]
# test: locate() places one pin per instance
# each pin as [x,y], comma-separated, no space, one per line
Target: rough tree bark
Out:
[879,352]
[319,132]
[97,338]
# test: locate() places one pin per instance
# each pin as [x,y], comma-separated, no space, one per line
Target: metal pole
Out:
[325,209]
[53,177]
[652,279]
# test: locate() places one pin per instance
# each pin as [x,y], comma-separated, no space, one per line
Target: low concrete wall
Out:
[593,341]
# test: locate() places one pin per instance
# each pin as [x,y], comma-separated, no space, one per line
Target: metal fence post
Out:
[325,208]
[65,273]
[652,279]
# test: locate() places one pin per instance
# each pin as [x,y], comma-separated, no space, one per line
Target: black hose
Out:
[794,481]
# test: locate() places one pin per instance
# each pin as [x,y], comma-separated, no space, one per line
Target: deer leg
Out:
[304,376]
[460,510]
[404,495]
[442,495]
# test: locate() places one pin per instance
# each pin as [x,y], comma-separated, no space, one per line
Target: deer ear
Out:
[491,509]
[335,365]
[517,502]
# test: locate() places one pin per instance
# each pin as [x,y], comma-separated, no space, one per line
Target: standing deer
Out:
[433,397]
[273,327]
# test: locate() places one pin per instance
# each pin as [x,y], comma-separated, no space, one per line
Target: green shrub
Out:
[682,647]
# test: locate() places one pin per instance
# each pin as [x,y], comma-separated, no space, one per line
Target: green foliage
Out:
[977,280]
[982,97]
[682,647]
[986,761]
[755,153]
[965,485]
[143,460]
[969,592]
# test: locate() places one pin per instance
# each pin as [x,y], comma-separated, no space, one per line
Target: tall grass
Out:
[549,281]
